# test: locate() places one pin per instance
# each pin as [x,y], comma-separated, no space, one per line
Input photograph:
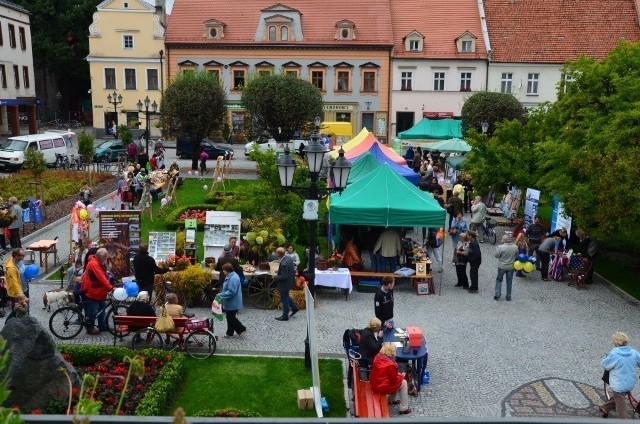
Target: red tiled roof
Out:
[440,22]
[554,31]
[372,19]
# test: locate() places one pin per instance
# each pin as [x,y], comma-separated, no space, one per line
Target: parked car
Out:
[184,149]
[271,143]
[109,151]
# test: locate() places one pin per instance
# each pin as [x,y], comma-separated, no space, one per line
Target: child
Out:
[203,161]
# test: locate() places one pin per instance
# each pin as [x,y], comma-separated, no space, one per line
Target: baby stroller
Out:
[3,292]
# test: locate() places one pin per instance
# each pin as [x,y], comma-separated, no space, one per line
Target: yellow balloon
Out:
[518,266]
[528,267]
[83,214]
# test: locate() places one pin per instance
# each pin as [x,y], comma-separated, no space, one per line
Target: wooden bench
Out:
[368,404]
[122,323]
[357,275]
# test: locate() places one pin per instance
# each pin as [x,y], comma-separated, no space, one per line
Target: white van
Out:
[12,149]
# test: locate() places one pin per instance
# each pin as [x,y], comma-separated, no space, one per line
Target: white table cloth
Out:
[340,279]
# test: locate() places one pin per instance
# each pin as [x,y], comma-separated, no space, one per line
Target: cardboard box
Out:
[305,399]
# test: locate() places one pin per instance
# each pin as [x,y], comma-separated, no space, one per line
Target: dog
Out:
[60,296]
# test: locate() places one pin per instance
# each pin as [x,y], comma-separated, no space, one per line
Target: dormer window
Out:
[278,28]
[214,29]
[345,30]
[414,42]
[466,43]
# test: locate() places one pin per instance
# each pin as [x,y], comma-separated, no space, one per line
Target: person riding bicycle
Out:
[622,364]
[478,213]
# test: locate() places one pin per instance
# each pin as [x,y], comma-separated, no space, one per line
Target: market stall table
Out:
[417,356]
[340,278]
[46,248]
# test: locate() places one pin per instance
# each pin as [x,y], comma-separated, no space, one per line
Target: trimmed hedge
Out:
[214,198]
[172,222]
[161,391]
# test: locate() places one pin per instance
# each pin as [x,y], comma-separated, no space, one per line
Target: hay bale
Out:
[296,295]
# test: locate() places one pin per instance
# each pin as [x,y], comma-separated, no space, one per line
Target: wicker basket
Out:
[492,223]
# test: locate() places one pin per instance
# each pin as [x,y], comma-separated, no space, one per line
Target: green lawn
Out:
[264,385]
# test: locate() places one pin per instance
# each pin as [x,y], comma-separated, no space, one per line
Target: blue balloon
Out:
[523,257]
[132,289]
[31,271]
[532,259]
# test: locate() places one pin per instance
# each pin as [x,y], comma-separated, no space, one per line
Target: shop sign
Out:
[337,107]
[437,114]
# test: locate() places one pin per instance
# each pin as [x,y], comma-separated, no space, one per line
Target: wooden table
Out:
[46,247]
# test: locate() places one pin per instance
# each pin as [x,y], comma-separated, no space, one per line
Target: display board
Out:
[162,245]
[119,233]
[219,226]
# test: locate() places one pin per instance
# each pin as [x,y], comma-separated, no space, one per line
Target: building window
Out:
[505,83]
[213,29]
[532,83]
[214,73]
[317,79]
[127,41]
[406,81]
[110,78]
[3,76]
[238,79]
[342,81]
[438,81]
[16,75]
[12,36]
[284,33]
[25,76]
[272,33]
[345,30]
[466,46]
[465,81]
[129,79]
[23,39]
[264,71]
[566,81]
[343,117]
[414,45]
[152,79]
[188,71]
[292,73]
[369,81]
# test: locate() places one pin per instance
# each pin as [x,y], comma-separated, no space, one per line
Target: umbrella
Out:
[455,162]
[454,145]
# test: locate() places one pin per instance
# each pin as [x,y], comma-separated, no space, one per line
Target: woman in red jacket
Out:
[385,377]
[96,287]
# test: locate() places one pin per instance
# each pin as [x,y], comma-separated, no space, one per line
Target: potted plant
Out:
[264,237]
[335,261]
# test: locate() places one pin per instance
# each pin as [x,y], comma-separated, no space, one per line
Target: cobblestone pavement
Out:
[536,355]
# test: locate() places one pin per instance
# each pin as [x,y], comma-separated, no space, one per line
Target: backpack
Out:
[132,149]
[351,338]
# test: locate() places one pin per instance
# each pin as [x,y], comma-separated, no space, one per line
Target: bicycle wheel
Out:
[200,344]
[146,338]
[116,309]
[66,323]
[492,236]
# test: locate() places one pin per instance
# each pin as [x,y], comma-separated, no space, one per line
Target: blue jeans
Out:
[287,302]
[384,264]
[91,310]
[501,274]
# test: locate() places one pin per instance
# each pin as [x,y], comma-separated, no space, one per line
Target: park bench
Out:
[368,404]
[121,323]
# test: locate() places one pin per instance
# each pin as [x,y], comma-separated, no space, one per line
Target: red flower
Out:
[36,411]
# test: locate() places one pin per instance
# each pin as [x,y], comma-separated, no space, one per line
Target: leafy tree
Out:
[124,133]
[281,104]
[589,153]
[34,162]
[194,105]
[490,107]
[86,150]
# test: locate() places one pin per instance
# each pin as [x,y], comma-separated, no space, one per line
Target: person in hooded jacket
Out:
[622,362]
[96,287]
[385,378]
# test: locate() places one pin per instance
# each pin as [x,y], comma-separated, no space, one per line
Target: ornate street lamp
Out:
[154,107]
[115,99]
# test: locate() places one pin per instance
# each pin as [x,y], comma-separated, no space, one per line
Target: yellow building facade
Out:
[126,61]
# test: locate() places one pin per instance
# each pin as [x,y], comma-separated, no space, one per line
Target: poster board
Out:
[531,206]
[218,227]
[119,233]
[162,245]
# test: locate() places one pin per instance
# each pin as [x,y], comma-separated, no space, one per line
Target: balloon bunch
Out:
[30,272]
[525,263]
[132,289]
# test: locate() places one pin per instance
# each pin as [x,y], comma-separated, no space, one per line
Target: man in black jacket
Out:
[146,269]
[383,302]
[228,258]
[285,280]
[475,259]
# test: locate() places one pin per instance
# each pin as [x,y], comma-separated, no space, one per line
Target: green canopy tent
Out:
[433,129]
[453,145]
[455,162]
[387,199]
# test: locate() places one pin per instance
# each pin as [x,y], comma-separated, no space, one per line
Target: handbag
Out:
[164,323]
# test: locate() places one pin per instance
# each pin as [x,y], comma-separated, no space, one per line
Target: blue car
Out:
[109,151]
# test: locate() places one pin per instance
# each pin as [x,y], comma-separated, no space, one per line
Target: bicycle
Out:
[635,404]
[62,161]
[488,231]
[67,322]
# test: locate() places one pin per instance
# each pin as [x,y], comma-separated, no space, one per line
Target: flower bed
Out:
[175,219]
[147,395]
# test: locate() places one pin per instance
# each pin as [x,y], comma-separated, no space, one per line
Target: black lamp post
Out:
[154,107]
[115,99]
[339,173]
